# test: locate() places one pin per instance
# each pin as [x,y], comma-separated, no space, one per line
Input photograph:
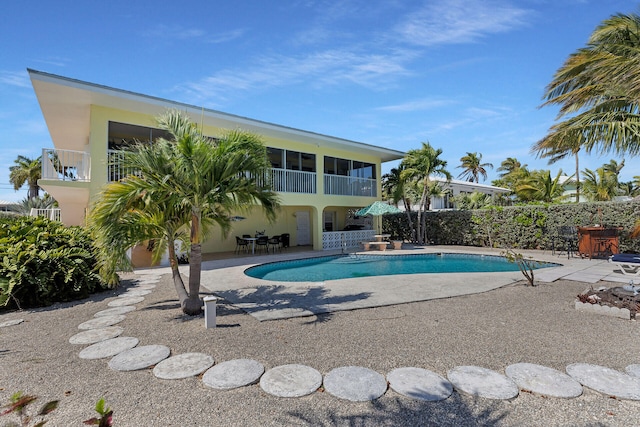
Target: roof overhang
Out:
[66,105]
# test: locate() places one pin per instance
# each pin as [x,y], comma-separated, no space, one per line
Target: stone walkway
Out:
[352,383]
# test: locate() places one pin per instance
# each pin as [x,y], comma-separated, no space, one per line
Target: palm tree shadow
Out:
[271,302]
[393,411]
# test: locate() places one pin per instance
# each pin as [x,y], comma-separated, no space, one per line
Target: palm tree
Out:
[418,165]
[202,182]
[473,167]
[541,187]
[392,186]
[509,165]
[569,144]
[600,185]
[598,88]
[26,170]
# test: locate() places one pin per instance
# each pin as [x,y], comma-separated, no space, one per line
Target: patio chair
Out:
[262,242]
[284,239]
[628,263]
[274,242]
[241,244]
[568,235]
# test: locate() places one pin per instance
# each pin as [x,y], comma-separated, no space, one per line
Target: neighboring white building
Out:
[456,187]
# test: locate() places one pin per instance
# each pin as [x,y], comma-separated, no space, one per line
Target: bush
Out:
[523,227]
[42,262]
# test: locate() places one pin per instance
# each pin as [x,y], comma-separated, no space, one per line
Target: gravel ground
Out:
[492,330]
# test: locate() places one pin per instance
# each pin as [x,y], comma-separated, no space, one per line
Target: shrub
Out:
[42,262]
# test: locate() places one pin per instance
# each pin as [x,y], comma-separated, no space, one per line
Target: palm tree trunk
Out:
[175,273]
[577,180]
[193,305]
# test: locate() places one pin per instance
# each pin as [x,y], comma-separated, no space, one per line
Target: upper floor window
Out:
[353,168]
[291,160]
[122,135]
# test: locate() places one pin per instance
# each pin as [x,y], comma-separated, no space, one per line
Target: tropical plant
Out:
[526,265]
[18,405]
[202,182]
[393,187]
[541,187]
[28,171]
[601,184]
[568,144]
[418,166]
[598,91]
[42,262]
[474,200]
[40,202]
[473,168]
[509,165]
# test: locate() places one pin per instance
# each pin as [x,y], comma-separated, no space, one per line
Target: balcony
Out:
[51,213]
[292,181]
[339,185]
[65,165]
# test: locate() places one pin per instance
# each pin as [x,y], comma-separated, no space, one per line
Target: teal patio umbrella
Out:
[378,209]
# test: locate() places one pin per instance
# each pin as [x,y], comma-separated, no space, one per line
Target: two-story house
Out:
[321,180]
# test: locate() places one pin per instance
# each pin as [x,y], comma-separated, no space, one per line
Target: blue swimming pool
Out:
[347,266]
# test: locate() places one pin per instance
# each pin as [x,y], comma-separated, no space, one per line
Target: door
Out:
[303,228]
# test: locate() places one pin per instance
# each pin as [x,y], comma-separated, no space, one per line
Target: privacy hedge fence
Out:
[42,262]
[523,227]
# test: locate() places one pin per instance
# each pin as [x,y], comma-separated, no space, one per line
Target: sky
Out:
[462,75]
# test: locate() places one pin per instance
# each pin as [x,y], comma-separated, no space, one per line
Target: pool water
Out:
[348,266]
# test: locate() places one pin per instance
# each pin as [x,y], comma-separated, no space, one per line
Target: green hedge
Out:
[524,227]
[42,262]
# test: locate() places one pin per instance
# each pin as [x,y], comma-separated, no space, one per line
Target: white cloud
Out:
[417,105]
[460,21]
[15,78]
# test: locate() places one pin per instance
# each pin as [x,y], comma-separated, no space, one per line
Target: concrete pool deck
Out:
[268,300]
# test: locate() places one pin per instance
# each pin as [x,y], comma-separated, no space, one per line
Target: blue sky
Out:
[463,75]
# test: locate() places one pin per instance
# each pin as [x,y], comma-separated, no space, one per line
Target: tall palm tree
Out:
[598,89]
[473,167]
[28,171]
[207,180]
[509,165]
[542,187]
[418,166]
[600,185]
[392,186]
[569,144]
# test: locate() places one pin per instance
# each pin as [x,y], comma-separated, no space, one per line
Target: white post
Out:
[210,311]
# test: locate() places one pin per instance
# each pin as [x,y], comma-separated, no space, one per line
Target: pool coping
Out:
[268,300]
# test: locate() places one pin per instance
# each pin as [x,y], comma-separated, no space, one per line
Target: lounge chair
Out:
[628,263]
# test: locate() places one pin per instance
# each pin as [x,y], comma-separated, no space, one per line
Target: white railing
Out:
[340,185]
[115,169]
[332,240]
[290,181]
[51,213]
[66,165]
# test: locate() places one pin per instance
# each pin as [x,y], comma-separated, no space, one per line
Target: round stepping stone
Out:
[125,301]
[419,384]
[183,366]
[543,381]
[11,323]
[96,335]
[233,374]
[115,310]
[482,382]
[355,383]
[605,380]
[102,321]
[108,348]
[291,381]
[633,370]
[135,293]
[139,357]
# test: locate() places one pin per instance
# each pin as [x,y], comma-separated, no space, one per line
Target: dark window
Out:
[275,157]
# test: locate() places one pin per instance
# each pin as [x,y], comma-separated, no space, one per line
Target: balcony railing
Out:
[51,213]
[291,181]
[115,170]
[340,185]
[66,165]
